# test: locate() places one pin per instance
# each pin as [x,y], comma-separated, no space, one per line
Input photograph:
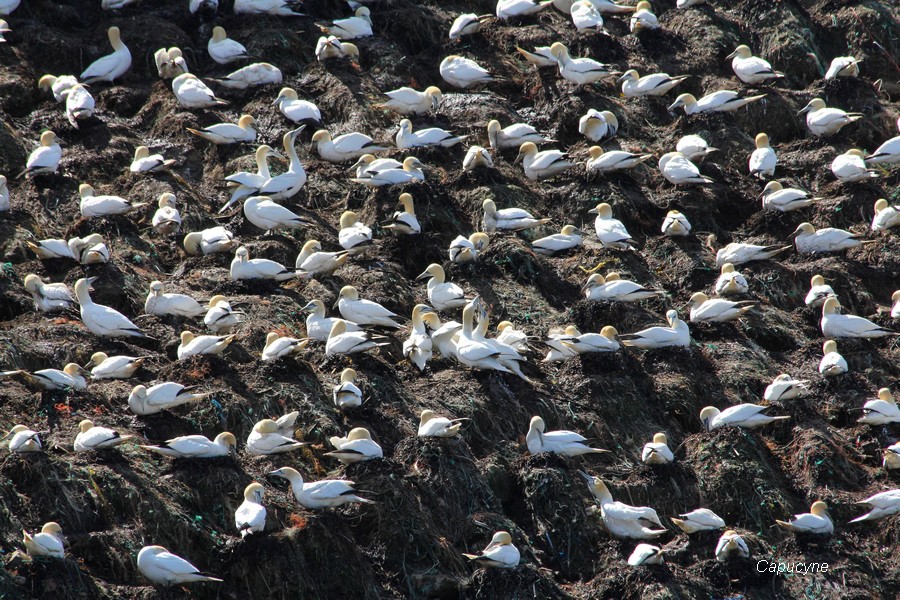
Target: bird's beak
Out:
[519,158]
[277,100]
[621,79]
[424,275]
[795,234]
[586,477]
[6,437]
[297,131]
[674,105]
[357,164]
[806,108]
[732,55]
[593,211]
[336,302]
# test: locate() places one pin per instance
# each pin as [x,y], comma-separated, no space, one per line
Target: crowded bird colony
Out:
[449,325]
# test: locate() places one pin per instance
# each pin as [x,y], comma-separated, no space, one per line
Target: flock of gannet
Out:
[467,341]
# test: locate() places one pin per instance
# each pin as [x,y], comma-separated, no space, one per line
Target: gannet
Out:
[351,28]
[93,250]
[111,66]
[408,101]
[97,438]
[694,146]
[614,160]
[79,104]
[411,172]
[810,240]
[313,261]
[720,101]
[45,158]
[500,552]
[881,411]
[581,71]
[596,125]
[851,166]
[748,416]
[196,446]
[322,493]
[49,542]
[433,136]
[431,425]
[49,297]
[229,133]
[343,147]
[776,197]
[443,295]
[613,288]
[562,343]
[513,136]
[466,24]
[476,156]
[586,16]
[71,377]
[273,437]
[701,519]
[832,363]
[166,219]
[162,567]
[278,346]
[891,458]
[345,393]
[679,170]
[731,545]
[507,9]
[102,320]
[823,121]
[643,18]
[266,214]
[209,241]
[655,84]
[835,325]
[785,387]
[166,66]
[243,267]
[252,75]
[887,153]
[676,334]
[58,86]
[224,50]
[281,8]
[645,554]
[739,253]
[296,110]
[620,519]
[567,443]
[363,312]
[568,237]
[657,452]
[358,446]
[508,334]
[318,326]
[244,184]
[541,57]
[4,29]
[22,439]
[763,159]
[342,341]
[368,165]
[464,250]
[417,348]
[102,206]
[704,310]
[883,504]
[886,216]
[250,516]
[220,317]
[4,194]
[194,345]
[675,224]
[508,356]
[586,343]
[843,66]
[514,219]
[895,310]
[751,69]
[53,248]
[113,367]
[190,92]
[353,235]
[330,47]
[463,72]
[162,396]
[144,162]
[611,232]
[472,350]
[815,521]
[443,336]
[161,303]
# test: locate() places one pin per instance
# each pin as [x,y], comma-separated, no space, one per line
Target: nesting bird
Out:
[622,520]
[567,443]
[747,416]
[751,69]
[832,362]
[501,552]
[657,452]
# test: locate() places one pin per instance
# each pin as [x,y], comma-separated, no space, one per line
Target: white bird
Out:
[835,325]
[509,335]
[168,65]
[586,16]
[278,346]
[473,350]
[113,367]
[623,520]
[433,136]
[567,443]
[296,110]
[244,184]
[287,184]
[49,297]
[250,516]
[266,214]
[161,303]
[581,71]
[851,166]
[358,446]
[883,504]
[731,545]
[891,458]
[810,240]
[442,295]
[543,164]
[720,101]
[655,84]
[569,237]
[318,326]
[585,343]
[763,160]
[887,153]
[409,172]
[824,121]
[363,312]
[645,554]
[22,439]
[104,205]
[751,69]
[417,348]
[273,437]
[731,282]
[4,194]
[4,29]
[45,158]
[343,147]
[313,261]
[596,125]
[675,224]
[209,241]
[843,66]
[643,18]
[895,310]
[166,220]
[102,320]
[162,567]
[476,156]
[513,136]
[252,75]
[144,162]
[816,521]
[281,8]
[220,317]
[463,72]
[776,197]
[613,160]
[613,288]
[71,377]
[58,86]
[464,250]
[354,236]
[694,146]
[195,345]
[432,425]
[243,267]
[785,387]
[513,219]
[342,341]
[443,336]
[90,437]
[346,393]
[408,101]
[224,50]
[111,66]
[320,494]
[229,133]
[466,24]
[610,231]
[738,253]
[657,452]
[832,363]
[507,9]
[93,250]
[162,396]
[886,216]
[328,48]
[49,542]
[679,170]
[500,552]
[881,411]
[562,343]
[79,104]
[717,310]
[351,28]
[748,416]
[190,92]
[196,446]
[701,519]
[541,57]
